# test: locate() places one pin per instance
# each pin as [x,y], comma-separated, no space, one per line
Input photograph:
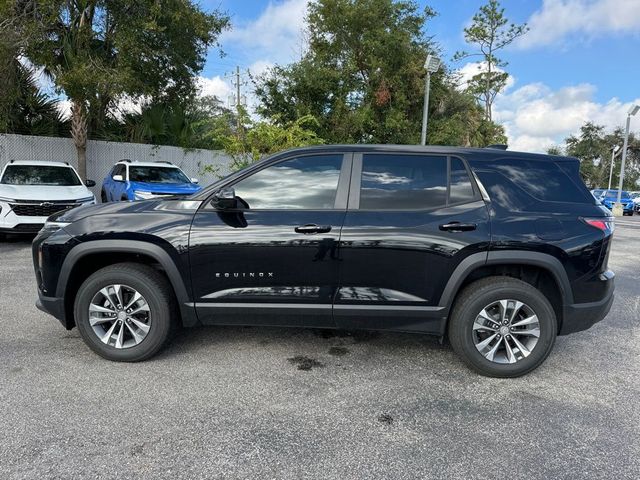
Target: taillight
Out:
[605,224]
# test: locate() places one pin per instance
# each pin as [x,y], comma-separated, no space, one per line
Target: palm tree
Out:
[32,112]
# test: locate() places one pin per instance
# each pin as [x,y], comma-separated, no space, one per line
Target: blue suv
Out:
[146,180]
[608,198]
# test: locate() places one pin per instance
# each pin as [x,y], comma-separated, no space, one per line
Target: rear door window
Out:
[403,182]
[413,182]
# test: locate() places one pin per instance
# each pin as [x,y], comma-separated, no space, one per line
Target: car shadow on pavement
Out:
[309,342]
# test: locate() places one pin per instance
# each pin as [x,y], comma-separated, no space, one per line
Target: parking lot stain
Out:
[305,363]
[385,418]
[338,351]
[357,336]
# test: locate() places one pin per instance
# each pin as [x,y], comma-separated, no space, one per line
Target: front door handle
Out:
[458,227]
[313,228]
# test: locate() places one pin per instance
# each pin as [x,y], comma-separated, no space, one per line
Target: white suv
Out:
[31,191]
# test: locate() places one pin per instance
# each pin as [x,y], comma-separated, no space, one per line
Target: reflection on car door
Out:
[274,258]
[411,220]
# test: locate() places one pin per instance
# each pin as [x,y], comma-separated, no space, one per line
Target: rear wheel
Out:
[125,312]
[103,197]
[502,327]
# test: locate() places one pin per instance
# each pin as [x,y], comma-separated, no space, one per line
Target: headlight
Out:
[142,195]
[54,225]
[91,199]
[8,200]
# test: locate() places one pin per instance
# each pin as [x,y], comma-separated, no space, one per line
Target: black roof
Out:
[476,153]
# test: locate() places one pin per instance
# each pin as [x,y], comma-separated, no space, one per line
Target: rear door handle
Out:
[313,228]
[458,227]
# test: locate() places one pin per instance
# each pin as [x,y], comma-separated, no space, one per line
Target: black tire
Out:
[153,286]
[477,296]
[103,197]
[124,199]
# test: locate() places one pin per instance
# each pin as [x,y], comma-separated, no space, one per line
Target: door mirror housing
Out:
[225,198]
[118,178]
[90,183]
[195,180]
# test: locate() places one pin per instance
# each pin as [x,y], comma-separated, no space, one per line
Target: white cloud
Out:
[216,86]
[557,20]
[276,35]
[469,70]
[536,117]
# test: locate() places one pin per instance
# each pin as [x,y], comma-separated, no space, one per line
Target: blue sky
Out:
[579,62]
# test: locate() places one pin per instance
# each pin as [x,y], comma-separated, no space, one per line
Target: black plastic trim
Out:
[507,257]
[156,252]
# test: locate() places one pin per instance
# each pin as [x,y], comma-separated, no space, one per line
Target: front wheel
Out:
[125,312]
[502,327]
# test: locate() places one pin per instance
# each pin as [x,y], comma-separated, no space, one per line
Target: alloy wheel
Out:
[506,331]
[119,316]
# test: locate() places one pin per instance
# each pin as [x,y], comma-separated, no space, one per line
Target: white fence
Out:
[102,155]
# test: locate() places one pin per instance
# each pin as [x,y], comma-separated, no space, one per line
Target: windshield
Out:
[157,175]
[614,194]
[40,175]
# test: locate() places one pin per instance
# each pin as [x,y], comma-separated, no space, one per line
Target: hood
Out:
[125,208]
[168,188]
[44,192]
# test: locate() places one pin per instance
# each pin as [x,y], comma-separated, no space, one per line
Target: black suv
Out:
[500,250]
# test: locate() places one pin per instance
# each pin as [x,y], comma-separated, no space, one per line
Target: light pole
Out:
[614,152]
[617,209]
[431,65]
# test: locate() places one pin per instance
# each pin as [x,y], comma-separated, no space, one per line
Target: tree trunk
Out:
[79,135]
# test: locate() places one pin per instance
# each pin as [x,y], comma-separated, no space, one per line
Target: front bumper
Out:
[581,316]
[12,223]
[54,306]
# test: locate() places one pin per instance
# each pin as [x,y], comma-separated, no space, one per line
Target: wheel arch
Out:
[542,270]
[97,254]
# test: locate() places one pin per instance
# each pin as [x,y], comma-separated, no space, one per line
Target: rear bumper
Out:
[53,306]
[581,316]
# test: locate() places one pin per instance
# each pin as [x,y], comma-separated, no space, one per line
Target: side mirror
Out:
[195,180]
[225,198]
[118,178]
[90,183]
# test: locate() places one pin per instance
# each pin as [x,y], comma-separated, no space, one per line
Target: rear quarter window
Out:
[547,181]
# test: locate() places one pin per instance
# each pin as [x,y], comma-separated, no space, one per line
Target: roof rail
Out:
[164,161]
[11,161]
[498,146]
[125,160]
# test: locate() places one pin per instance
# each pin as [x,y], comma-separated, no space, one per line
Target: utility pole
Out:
[237,82]
[238,99]
[431,65]
[617,208]
[614,153]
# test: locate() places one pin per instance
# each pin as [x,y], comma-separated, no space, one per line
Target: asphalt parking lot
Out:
[232,402]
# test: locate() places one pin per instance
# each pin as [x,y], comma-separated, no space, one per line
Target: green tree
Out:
[187,124]
[20,21]
[490,31]
[362,78]
[30,111]
[261,138]
[593,146]
[98,52]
